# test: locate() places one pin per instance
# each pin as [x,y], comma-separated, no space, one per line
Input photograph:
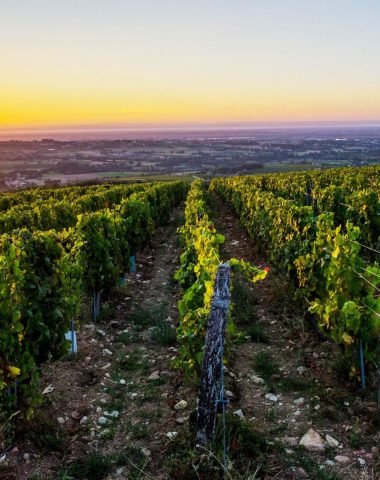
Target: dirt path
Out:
[289,381]
[111,405]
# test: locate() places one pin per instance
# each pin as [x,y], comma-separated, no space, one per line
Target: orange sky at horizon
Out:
[150,63]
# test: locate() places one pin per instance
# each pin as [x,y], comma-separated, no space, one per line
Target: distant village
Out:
[52,162]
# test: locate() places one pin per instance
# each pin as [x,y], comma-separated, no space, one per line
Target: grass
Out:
[315,471]
[256,333]
[292,384]
[128,363]
[107,312]
[244,310]
[247,452]
[300,458]
[355,440]
[127,337]
[150,415]
[108,433]
[45,434]
[271,414]
[150,391]
[164,334]
[142,318]
[137,431]
[265,365]
[96,466]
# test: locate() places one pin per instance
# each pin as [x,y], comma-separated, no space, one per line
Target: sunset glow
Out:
[148,61]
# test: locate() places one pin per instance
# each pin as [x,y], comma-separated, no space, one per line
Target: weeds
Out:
[164,334]
[265,366]
[256,333]
[45,434]
[143,318]
[94,466]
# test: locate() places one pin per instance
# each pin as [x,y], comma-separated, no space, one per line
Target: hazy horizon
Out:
[181,130]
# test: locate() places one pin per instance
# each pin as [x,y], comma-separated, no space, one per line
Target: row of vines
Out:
[198,267]
[44,275]
[319,250]
[351,194]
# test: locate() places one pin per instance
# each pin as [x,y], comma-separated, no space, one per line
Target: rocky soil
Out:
[120,410]
[290,385]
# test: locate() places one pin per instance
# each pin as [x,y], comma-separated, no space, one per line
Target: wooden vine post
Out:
[210,387]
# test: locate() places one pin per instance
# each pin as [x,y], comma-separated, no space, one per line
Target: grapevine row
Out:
[38,195]
[352,195]
[46,215]
[322,259]
[43,276]
[196,275]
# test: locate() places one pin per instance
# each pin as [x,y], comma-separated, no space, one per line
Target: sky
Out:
[138,62]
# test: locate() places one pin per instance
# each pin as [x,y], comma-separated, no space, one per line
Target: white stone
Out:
[332,442]
[102,421]
[122,381]
[329,463]
[298,401]
[181,405]
[292,441]
[154,375]
[182,420]
[48,389]
[257,380]
[312,441]
[342,459]
[361,461]
[107,352]
[239,413]
[171,435]
[113,414]
[83,420]
[301,369]
[61,420]
[271,397]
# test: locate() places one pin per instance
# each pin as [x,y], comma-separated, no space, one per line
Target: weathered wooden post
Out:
[210,388]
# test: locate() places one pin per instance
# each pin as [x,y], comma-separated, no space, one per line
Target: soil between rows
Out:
[123,367]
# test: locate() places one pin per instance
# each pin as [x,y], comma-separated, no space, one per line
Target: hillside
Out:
[301,353]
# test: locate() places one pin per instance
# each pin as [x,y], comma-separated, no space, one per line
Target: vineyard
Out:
[107,294]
